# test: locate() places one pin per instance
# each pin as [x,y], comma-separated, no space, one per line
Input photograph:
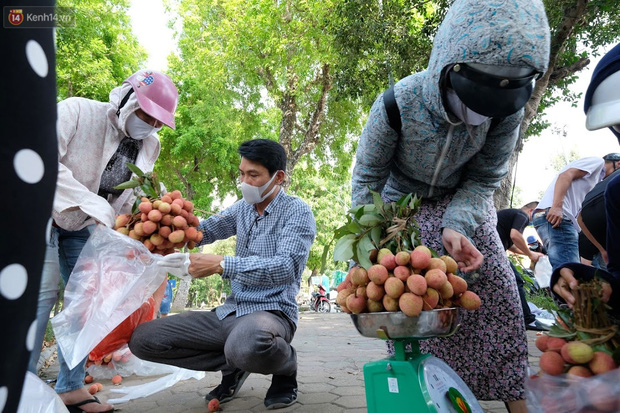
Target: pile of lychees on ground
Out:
[408,281]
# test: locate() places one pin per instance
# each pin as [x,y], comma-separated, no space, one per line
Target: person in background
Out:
[535,245]
[555,218]
[252,331]
[510,225]
[96,140]
[602,108]
[592,221]
[166,301]
[460,122]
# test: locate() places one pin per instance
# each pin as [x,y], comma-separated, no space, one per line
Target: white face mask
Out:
[137,128]
[252,194]
[463,112]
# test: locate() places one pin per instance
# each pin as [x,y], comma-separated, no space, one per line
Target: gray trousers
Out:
[197,340]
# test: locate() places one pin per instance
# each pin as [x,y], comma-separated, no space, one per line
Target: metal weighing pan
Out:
[394,325]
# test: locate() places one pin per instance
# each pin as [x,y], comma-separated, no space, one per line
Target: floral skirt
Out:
[489,350]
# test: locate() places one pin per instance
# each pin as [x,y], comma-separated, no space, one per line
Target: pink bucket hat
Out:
[157,95]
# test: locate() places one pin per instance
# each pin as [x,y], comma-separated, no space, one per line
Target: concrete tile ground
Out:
[331,355]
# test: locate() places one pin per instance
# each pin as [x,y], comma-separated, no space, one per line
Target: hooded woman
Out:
[96,140]
[460,123]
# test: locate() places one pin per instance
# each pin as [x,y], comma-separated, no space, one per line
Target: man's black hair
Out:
[268,153]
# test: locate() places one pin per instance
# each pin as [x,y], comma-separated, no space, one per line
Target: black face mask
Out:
[490,95]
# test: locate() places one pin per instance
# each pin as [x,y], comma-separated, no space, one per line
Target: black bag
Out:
[593,210]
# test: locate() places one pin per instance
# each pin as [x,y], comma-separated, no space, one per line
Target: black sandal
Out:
[75,408]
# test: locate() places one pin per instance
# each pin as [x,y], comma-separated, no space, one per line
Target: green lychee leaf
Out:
[133,168]
[136,203]
[375,236]
[369,220]
[343,251]
[363,248]
[128,185]
[558,331]
[354,227]
[363,252]
[148,190]
[376,199]
[342,231]
[406,244]
[403,201]
[356,210]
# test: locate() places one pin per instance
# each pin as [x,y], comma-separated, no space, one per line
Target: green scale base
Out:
[415,382]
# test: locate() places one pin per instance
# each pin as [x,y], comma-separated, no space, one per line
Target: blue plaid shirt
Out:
[271,254]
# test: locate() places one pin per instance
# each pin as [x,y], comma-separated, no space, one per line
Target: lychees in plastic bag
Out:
[113,277]
[569,393]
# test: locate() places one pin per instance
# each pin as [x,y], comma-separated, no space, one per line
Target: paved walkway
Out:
[331,355]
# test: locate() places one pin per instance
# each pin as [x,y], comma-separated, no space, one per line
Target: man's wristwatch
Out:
[222,267]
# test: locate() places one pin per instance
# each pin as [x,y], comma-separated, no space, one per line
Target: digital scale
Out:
[411,381]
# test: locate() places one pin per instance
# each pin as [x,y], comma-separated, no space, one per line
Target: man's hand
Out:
[203,265]
[535,256]
[462,250]
[176,264]
[555,216]
[567,283]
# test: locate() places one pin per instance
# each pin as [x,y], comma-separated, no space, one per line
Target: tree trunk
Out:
[503,195]
[288,124]
[315,271]
[180,300]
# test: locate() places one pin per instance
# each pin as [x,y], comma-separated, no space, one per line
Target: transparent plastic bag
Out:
[38,397]
[122,333]
[126,364]
[573,394]
[542,272]
[127,393]
[114,275]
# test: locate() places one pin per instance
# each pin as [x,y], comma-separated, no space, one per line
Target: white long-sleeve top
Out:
[89,133]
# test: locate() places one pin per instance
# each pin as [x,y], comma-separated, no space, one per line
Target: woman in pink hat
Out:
[96,140]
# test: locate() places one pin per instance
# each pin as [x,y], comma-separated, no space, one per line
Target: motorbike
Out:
[319,301]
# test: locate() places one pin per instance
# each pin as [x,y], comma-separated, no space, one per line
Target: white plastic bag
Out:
[146,389]
[128,364]
[38,397]
[542,271]
[113,276]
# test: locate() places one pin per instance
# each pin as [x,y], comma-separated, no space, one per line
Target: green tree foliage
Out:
[98,53]
[379,42]
[329,204]
[250,69]
[580,29]
[561,160]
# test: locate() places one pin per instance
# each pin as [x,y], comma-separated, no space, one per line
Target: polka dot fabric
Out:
[28,168]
